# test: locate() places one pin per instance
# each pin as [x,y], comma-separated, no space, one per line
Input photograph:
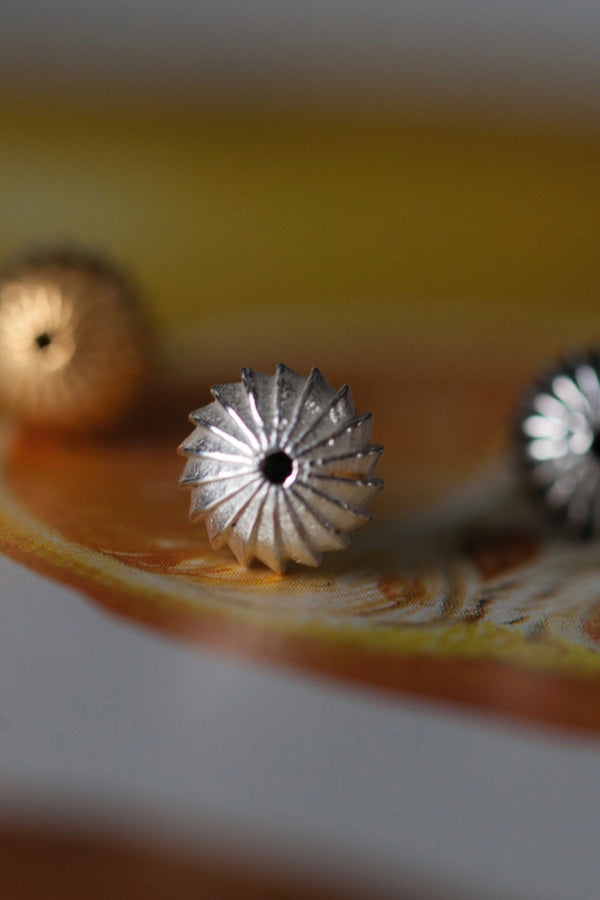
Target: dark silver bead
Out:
[558,441]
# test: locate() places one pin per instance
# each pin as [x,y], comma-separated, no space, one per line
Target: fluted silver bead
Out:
[280,467]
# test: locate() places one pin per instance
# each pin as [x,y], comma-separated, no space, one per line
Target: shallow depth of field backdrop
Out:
[363,175]
[406,194]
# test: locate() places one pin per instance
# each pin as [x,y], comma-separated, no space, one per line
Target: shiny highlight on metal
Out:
[74,343]
[558,441]
[280,467]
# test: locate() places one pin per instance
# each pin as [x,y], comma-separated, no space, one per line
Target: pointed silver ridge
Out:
[280,467]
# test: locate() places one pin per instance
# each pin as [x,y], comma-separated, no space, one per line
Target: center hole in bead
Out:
[43,340]
[595,447]
[277,467]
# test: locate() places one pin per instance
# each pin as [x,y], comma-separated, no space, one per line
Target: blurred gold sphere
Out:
[74,342]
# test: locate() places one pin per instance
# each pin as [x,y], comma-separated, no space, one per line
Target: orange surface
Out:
[95,514]
[432,262]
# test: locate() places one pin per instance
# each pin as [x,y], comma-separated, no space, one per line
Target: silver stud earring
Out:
[280,467]
[558,441]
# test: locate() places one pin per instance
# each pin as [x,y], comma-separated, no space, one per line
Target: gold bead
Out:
[74,343]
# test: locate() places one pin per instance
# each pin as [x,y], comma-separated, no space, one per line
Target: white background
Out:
[103,722]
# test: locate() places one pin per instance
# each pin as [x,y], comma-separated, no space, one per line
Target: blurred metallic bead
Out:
[280,467]
[558,441]
[74,344]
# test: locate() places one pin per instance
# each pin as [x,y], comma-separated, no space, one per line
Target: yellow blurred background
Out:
[404,177]
[369,221]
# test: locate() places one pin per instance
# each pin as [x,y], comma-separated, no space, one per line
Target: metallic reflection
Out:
[73,343]
[558,442]
[280,467]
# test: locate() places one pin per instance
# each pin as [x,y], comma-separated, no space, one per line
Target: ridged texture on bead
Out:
[74,343]
[280,467]
[558,443]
